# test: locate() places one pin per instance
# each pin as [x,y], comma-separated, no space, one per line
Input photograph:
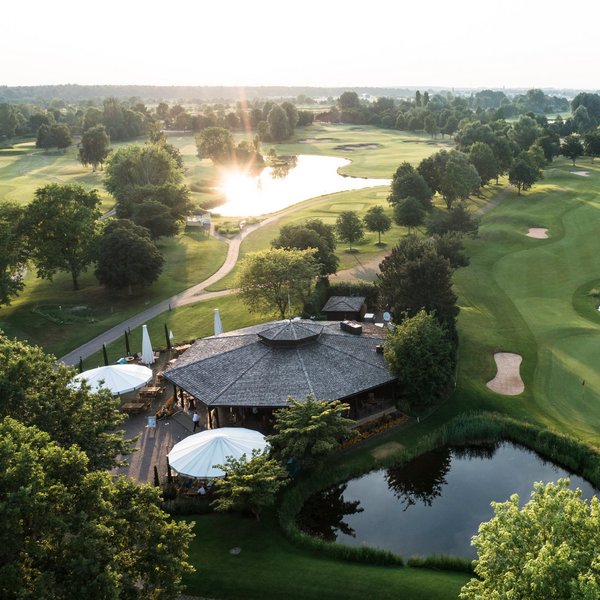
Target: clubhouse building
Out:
[240,377]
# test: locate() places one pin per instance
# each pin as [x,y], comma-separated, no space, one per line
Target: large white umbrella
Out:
[147,352]
[119,379]
[197,454]
[218,326]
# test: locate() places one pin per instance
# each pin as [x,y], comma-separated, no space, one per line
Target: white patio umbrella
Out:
[218,326]
[119,379]
[196,455]
[147,352]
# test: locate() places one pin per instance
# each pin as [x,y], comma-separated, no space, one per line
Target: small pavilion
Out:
[242,376]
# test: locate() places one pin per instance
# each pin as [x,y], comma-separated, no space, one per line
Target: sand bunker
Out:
[508,379]
[352,147]
[312,140]
[581,173]
[539,233]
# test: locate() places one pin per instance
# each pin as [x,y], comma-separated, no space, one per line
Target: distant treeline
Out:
[76,93]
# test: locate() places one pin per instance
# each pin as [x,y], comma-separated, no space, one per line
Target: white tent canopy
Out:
[119,379]
[196,455]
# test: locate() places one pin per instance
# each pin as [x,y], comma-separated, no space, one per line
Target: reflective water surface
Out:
[282,186]
[434,504]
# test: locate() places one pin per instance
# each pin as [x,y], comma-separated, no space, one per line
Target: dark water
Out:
[432,505]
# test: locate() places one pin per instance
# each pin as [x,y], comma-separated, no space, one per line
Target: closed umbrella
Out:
[147,352]
[218,326]
[197,455]
[119,379]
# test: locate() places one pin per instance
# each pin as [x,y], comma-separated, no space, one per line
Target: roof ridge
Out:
[308,381]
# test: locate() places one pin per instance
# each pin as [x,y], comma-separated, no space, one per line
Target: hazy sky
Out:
[452,43]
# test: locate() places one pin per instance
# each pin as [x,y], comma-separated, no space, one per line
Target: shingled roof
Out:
[264,364]
[344,304]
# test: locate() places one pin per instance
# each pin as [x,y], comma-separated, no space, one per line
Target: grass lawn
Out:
[531,296]
[24,168]
[189,258]
[270,567]
[187,323]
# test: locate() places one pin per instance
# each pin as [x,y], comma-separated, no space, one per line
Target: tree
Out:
[460,178]
[591,144]
[309,430]
[137,174]
[215,143]
[69,532]
[61,225]
[349,227]
[524,132]
[61,136]
[126,256]
[376,220]
[156,218]
[407,182]
[415,277]
[450,245]
[419,352]
[279,125]
[483,159]
[8,121]
[95,146]
[523,173]
[248,484]
[546,549]
[34,389]
[44,137]
[349,101]
[315,234]
[13,254]
[572,147]
[272,280]
[432,170]
[292,114]
[409,212]
[458,219]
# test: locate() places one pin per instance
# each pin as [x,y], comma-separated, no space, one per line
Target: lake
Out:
[275,189]
[432,505]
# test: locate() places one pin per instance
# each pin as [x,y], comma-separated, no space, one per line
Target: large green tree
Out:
[523,173]
[272,280]
[35,390]
[13,253]
[61,224]
[137,174]
[460,178]
[308,430]
[349,227]
[95,146]
[313,233]
[409,212]
[591,144]
[249,484]
[544,550]
[415,277]
[72,533]
[483,159]
[215,143]
[407,182]
[418,351]
[279,125]
[376,220]
[572,147]
[126,256]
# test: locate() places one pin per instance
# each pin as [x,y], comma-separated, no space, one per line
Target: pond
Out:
[276,188]
[432,505]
